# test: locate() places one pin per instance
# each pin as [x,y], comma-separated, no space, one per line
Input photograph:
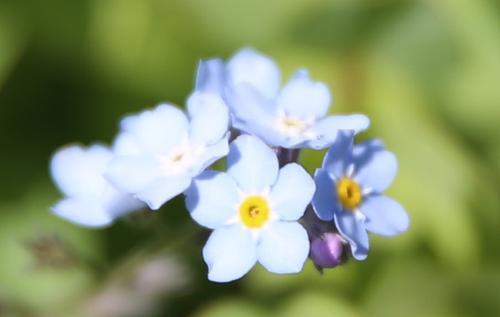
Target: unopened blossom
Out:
[327,250]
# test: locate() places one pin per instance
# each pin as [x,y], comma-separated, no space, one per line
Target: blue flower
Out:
[90,200]
[253,209]
[349,191]
[293,117]
[159,151]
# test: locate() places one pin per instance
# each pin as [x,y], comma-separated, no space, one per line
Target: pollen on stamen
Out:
[180,158]
[254,211]
[349,193]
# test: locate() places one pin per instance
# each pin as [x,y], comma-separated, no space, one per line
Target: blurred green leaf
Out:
[12,43]
[478,293]
[139,45]
[419,43]
[436,172]
[318,304]
[232,307]
[345,26]
[472,95]
[410,288]
[247,22]
[267,285]
[23,278]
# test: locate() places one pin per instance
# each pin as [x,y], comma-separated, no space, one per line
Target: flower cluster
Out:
[264,207]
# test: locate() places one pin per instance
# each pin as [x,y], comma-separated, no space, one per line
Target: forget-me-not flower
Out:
[293,117]
[90,200]
[253,209]
[159,151]
[349,191]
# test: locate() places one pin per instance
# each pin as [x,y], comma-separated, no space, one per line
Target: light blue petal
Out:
[253,68]
[209,118]
[363,152]
[158,192]
[210,76]
[292,192]
[131,173]
[283,248]
[257,115]
[303,98]
[266,132]
[376,170]
[338,157]
[77,171]
[367,147]
[125,144]
[229,253]
[212,199]
[326,129]
[353,230]
[247,104]
[211,154]
[252,164]
[269,135]
[325,202]
[119,203]
[353,122]
[85,213]
[157,130]
[384,216]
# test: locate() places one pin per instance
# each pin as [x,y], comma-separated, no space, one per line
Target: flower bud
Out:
[327,250]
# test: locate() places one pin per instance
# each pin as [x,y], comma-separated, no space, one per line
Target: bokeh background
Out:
[427,72]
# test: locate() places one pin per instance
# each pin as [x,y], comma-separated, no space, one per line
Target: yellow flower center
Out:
[254,211]
[177,157]
[349,193]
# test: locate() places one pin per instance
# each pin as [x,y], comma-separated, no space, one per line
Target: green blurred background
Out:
[427,72]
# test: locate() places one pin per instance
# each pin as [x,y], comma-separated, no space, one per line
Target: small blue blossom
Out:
[349,191]
[293,117]
[253,209]
[159,151]
[90,200]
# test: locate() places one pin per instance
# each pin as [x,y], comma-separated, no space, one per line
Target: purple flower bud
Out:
[327,250]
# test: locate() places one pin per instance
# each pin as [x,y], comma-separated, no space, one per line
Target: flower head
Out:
[253,209]
[159,151]
[349,191]
[90,200]
[293,117]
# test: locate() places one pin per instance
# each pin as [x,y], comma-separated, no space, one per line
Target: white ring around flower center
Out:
[180,158]
[293,127]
